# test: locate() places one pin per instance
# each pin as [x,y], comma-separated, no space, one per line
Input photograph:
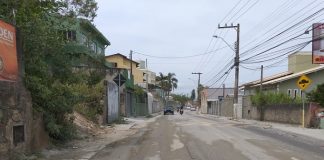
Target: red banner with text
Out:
[8,53]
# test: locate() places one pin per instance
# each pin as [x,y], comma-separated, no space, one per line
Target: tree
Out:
[167,82]
[180,98]
[78,8]
[317,95]
[200,88]
[49,75]
[172,82]
[193,95]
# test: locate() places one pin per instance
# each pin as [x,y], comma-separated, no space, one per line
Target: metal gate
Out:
[112,102]
[128,104]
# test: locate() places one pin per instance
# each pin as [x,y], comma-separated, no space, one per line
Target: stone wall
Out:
[249,111]
[16,122]
[282,113]
[18,129]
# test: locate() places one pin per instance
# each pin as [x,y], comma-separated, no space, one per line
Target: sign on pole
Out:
[303,82]
[119,79]
[318,43]
[8,53]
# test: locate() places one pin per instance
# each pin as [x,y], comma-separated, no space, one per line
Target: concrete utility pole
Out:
[223,91]
[131,63]
[199,73]
[236,59]
[147,89]
[198,77]
[261,81]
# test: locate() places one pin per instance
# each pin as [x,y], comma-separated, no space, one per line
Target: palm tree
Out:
[172,82]
[167,82]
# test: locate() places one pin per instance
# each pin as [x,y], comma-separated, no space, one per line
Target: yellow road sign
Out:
[303,82]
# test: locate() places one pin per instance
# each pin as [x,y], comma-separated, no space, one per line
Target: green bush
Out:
[261,99]
[91,100]
[317,95]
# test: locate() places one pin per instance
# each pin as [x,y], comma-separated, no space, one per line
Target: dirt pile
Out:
[87,127]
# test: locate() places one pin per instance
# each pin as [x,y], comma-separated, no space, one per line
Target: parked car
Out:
[193,109]
[169,110]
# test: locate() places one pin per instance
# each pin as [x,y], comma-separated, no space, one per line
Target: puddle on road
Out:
[176,144]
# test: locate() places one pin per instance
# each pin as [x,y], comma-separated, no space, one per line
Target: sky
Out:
[177,35]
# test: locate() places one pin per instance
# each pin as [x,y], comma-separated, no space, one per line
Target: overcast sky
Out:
[170,31]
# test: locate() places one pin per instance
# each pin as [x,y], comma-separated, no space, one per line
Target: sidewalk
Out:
[84,149]
[296,129]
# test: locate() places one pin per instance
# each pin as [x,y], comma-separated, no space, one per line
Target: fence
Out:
[112,99]
[283,113]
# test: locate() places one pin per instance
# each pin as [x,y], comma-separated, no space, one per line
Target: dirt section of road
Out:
[94,138]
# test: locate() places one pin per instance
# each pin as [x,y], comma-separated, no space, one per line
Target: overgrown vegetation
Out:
[317,95]
[180,98]
[261,99]
[56,86]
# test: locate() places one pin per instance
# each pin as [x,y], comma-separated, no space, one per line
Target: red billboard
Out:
[8,53]
[318,43]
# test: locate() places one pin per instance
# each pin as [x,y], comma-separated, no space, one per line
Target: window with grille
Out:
[18,134]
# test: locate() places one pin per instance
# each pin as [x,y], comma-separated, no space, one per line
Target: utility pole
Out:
[261,81]
[131,63]
[236,59]
[147,89]
[199,73]
[223,91]
[198,77]
[131,77]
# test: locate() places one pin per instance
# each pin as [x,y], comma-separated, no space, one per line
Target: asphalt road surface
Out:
[191,136]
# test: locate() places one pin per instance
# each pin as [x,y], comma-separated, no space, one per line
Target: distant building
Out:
[148,76]
[300,61]
[298,64]
[213,95]
[122,62]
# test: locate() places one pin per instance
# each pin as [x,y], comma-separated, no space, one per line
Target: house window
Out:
[83,39]
[289,92]
[93,46]
[295,93]
[70,35]
[100,50]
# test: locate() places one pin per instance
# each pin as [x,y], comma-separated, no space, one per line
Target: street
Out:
[191,136]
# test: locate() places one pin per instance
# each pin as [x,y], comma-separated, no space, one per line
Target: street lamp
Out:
[215,36]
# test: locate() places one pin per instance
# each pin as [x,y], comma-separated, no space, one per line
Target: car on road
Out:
[169,110]
[193,109]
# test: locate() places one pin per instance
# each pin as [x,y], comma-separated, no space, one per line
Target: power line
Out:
[244,5]
[278,46]
[247,10]
[277,35]
[211,39]
[180,57]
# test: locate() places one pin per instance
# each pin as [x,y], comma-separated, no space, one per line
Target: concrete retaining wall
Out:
[226,107]
[283,113]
